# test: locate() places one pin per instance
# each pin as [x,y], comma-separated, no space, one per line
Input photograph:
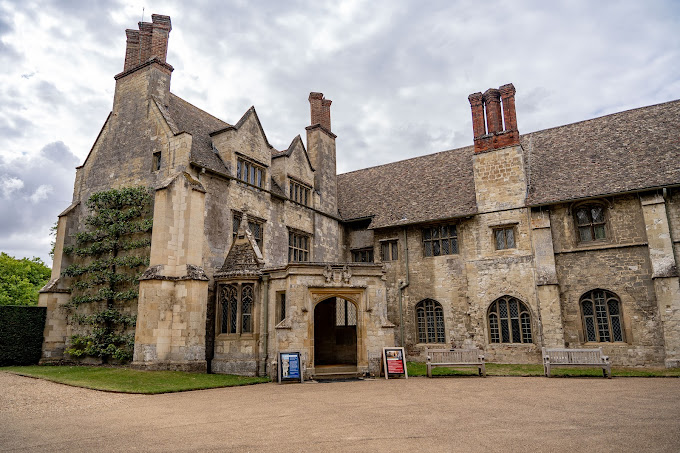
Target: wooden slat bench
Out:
[569,358]
[455,358]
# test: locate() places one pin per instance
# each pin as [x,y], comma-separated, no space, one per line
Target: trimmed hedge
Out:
[21,334]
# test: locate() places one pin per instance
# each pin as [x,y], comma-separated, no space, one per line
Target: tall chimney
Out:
[494,136]
[509,116]
[159,36]
[492,100]
[477,106]
[132,55]
[320,109]
[150,41]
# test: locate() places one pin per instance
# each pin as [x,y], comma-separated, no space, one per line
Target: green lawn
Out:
[126,380]
[503,369]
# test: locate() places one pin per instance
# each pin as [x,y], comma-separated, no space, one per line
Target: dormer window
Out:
[299,192]
[249,172]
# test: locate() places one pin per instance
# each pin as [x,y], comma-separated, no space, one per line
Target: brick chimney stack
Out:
[150,41]
[491,134]
[320,110]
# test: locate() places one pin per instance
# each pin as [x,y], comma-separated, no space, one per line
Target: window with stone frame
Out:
[602,318]
[300,193]
[362,255]
[504,237]
[281,306]
[440,240]
[236,302]
[256,227]
[389,250]
[156,161]
[249,172]
[298,247]
[430,322]
[509,321]
[591,222]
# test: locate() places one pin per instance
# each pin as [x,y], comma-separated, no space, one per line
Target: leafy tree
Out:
[108,259]
[21,279]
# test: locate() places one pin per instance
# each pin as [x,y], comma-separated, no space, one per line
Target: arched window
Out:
[236,302]
[601,316]
[430,320]
[509,321]
[590,222]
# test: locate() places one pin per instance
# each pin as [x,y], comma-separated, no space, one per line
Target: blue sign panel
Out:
[289,366]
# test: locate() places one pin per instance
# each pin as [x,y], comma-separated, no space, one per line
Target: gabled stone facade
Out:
[559,238]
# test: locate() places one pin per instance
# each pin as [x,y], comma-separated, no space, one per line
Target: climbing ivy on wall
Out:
[108,259]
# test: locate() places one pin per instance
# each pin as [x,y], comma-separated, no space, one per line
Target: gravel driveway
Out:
[418,414]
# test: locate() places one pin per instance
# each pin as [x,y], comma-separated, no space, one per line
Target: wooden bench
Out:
[569,358]
[454,358]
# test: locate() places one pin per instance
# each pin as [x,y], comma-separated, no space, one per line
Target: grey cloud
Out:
[33,190]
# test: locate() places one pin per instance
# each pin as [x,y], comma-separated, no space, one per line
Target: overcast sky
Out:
[398,73]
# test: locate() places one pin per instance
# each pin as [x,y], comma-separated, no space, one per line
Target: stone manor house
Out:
[566,237]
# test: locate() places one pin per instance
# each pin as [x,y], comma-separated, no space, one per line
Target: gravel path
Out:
[418,414]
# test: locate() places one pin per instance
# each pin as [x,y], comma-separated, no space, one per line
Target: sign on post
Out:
[290,367]
[394,362]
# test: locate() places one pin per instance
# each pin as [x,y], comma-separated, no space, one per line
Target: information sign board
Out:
[394,362]
[290,367]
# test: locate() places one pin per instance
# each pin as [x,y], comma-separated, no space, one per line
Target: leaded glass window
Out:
[229,305]
[430,322]
[504,238]
[590,221]
[236,303]
[602,316]
[247,308]
[440,240]
[345,313]
[509,321]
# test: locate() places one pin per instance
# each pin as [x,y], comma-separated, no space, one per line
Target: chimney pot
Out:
[320,109]
[492,100]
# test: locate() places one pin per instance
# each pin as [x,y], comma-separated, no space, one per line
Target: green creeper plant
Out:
[108,259]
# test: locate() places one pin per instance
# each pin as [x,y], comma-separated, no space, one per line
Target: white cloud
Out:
[40,193]
[8,185]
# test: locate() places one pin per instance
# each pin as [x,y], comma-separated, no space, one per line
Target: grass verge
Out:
[504,369]
[126,380]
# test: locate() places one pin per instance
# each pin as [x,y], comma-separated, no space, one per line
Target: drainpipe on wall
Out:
[265,309]
[402,287]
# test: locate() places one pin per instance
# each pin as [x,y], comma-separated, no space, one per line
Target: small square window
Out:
[505,238]
[389,250]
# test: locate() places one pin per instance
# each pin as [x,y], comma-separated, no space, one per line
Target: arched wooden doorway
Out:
[335,332]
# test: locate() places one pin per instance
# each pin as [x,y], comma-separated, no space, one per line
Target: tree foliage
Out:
[108,258]
[21,279]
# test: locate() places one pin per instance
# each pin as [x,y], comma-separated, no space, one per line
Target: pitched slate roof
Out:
[199,124]
[628,151]
[436,186]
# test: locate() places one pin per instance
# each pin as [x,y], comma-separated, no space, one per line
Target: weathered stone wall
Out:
[620,264]
[305,287]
